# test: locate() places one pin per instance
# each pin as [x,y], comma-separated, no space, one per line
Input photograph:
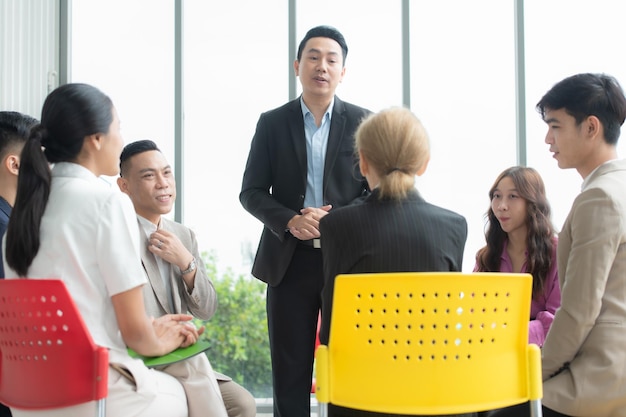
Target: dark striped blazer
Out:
[388,236]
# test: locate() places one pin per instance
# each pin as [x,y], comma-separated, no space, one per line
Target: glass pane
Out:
[372,30]
[133,63]
[463,90]
[236,67]
[565,37]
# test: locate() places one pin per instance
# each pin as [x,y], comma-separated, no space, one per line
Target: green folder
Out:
[177,355]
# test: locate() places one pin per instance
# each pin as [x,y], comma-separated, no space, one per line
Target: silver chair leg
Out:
[323,409]
[535,408]
[100,408]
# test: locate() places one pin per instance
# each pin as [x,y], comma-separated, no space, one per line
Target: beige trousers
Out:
[198,380]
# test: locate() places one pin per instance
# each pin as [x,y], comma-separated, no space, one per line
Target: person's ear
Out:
[12,163]
[593,126]
[123,184]
[296,67]
[422,169]
[95,141]
[363,164]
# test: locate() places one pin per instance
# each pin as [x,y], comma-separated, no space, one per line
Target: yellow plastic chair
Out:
[429,343]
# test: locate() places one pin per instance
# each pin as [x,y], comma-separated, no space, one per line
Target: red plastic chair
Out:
[47,356]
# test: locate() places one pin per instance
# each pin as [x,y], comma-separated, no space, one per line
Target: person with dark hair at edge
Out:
[14,130]
[301,165]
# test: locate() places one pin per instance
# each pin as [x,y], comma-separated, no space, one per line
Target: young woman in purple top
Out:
[520,238]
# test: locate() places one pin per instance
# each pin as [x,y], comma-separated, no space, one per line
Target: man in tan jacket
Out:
[177,276]
[584,355]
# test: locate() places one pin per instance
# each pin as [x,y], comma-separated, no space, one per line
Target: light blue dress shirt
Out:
[316,145]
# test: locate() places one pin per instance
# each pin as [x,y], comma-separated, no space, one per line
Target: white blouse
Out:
[90,240]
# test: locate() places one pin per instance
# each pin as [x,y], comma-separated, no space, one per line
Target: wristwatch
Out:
[190,268]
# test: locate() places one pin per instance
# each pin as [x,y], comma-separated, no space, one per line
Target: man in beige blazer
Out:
[584,355]
[177,276]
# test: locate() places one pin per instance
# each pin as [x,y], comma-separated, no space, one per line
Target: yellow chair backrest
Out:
[429,343]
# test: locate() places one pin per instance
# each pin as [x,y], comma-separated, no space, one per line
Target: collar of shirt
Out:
[316,146]
[73,170]
[305,109]
[506,265]
[588,178]
[147,226]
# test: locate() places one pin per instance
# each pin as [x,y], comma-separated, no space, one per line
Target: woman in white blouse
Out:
[67,223]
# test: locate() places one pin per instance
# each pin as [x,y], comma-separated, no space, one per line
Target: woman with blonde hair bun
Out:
[393,147]
[394,229]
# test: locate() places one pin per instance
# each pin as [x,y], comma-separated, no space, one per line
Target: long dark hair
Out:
[540,231]
[69,114]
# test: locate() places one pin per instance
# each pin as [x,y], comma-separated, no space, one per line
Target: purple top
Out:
[542,308]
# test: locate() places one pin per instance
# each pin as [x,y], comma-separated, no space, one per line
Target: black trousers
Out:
[292,310]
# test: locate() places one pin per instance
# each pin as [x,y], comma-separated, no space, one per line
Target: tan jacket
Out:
[201,303]
[584,355]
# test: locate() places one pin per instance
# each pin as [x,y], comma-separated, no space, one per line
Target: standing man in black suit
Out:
[301,165]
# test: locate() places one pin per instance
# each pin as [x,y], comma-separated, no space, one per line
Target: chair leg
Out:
[100,407]
[323,409]
[535,408]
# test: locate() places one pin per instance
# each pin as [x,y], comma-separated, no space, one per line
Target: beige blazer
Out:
[201,303]
[584,355]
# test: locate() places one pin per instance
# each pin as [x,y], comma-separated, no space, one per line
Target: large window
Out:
[236,66]
[126,49]
[235,71]
[372,30]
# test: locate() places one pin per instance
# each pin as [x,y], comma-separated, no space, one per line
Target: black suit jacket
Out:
[274,181]
[388,236]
